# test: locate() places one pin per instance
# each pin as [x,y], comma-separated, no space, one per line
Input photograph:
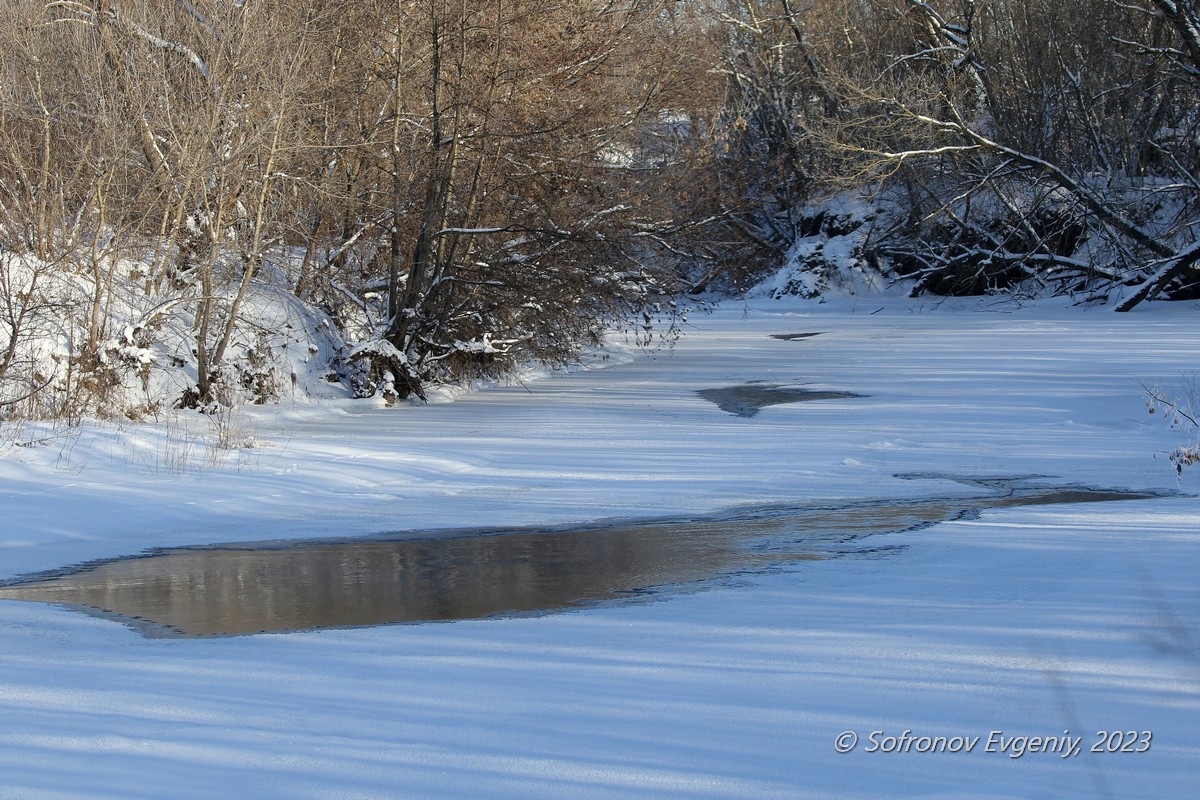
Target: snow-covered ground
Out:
[1043,621]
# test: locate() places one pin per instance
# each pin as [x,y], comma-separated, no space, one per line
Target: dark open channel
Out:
[250,588]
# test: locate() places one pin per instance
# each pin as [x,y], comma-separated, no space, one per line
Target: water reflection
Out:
[240,589]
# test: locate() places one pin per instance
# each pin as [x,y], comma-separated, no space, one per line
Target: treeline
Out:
[1039,145]
[462,185]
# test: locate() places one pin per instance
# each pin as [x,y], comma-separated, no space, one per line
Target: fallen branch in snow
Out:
[1171,268]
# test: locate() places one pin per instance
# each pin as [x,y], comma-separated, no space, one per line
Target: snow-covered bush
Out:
[1181,410]
[832,252]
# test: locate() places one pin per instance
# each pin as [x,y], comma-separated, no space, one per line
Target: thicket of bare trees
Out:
[1053,143]
[458,184]
[463,184]
[536,157]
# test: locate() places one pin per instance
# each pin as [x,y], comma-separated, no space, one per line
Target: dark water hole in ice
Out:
[229,590]
[793,337]
[747,400]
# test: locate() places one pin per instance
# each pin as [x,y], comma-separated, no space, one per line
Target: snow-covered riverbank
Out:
[1030,621]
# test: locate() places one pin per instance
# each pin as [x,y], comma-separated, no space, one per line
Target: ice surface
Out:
[1027,620]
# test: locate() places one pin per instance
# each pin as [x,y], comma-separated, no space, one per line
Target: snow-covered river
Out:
[1017,626]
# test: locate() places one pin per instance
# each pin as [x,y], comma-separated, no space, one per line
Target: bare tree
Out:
[516,164]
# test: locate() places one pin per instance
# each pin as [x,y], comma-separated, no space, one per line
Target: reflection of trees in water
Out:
[198,592]
[363,583]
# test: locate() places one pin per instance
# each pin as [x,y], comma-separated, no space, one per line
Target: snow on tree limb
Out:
[1155,284]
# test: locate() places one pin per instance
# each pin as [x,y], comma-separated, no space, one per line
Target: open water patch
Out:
[794,337]
[238,589]
[748,399]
